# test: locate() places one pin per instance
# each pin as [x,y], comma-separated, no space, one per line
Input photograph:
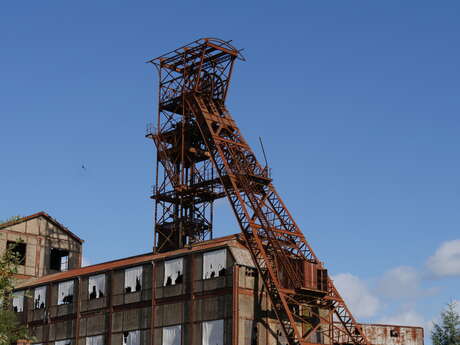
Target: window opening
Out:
[213,332]
[131,338]
[172,335]
[214,264]
[133,279]
[18,301]
[19,250]
[59,259]
[96,286]
[173,272]
[63,342]
[95,340]
[40,297]
[65,292]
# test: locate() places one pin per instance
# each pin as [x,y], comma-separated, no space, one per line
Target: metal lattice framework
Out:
[202,156]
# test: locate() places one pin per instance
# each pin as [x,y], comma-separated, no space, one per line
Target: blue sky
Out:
[357,103]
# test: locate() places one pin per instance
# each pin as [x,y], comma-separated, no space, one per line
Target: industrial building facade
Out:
[193,295]
[207,294]
[43,245]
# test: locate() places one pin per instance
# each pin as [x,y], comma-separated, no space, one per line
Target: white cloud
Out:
[357,295]
[399,283]
[446,259]
[405,318]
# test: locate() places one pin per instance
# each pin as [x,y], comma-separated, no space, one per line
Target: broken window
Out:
[64,263]
[133,279]
[213,332]
[174,273]
[132,338]
[40,297]
[96,286]
[59,259]
[18,301]
[96,340]
[394,333]
[214,264]
[65,292]
[63,342]
[172,335]
[19,250]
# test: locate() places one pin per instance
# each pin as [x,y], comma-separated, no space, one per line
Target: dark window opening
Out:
[19,250]
[394,333]
[59,259]
[67,299]
[94,294]
[180,278]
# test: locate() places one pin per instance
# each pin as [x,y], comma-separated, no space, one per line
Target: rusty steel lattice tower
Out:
[202,156]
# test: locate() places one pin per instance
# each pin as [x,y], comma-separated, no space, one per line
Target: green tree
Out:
[10,328]
[448,331]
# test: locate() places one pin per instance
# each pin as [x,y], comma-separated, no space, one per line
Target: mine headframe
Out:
[201,157]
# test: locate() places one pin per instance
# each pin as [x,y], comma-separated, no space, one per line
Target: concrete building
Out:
[207,294]
[44,245]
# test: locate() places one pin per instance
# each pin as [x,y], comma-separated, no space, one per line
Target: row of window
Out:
[212,334]
[59,258]
[214,265]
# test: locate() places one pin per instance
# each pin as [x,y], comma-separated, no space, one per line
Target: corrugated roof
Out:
[131,261]
[44,215]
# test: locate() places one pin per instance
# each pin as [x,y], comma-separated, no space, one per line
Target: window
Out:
[63,342]
[394,333]
[96,286]
[96,340]
[59,259]
[19,250]
[214,264]
[132,338]
[213,332]
[64,265]
[133,279]
[40,297]
[172,335]
[65,292]
[18,301]
[173,272]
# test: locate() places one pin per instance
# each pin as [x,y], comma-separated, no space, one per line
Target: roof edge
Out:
[126,262]
[48,217]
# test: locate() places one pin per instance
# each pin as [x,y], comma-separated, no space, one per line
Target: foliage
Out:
[11,219]
[448,331]
[10,329]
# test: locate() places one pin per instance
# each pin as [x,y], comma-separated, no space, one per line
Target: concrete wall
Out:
[237,298]
[40,235]
[189,304]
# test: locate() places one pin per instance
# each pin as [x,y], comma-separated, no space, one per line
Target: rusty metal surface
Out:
[186,184]
[202,156]
[393,335]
